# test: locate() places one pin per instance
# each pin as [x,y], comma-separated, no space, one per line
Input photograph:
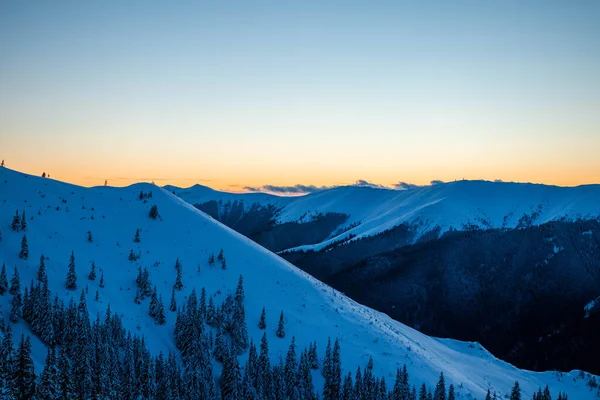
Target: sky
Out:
[235,94]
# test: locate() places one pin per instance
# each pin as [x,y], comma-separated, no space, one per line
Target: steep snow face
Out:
[59,216]
[457,205]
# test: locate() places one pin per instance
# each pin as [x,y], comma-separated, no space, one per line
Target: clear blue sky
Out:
[315,92]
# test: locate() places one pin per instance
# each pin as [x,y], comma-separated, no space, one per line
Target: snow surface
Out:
[313,310]
[455,205]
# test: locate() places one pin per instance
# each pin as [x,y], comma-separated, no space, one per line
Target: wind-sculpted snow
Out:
[59,216]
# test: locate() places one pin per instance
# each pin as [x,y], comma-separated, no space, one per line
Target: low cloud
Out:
[405,186]
[295,189]
[436,182]
[363,183]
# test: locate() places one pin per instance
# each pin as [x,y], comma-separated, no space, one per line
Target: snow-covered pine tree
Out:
[263,387]
[178,283]
[348,388]
[153,306]
[41,272]
[160,313]
[71,281]
[440,389]
[23,221]
[24,253]
[358,383]
[136,238]
[15,283]
[45,316]
[48,387]
[515,393]
[290,371]
[231,380]
[281,326]
[7,352]
[239,331]
[423,392]
[65,379]
[3,280]
[313,359]
[173,303]
[153,213]
[451,394]
[262,324]
[336,370]
[101,284]
[16,222]
[220,345]
[23,371]
[89,237]
[92,274]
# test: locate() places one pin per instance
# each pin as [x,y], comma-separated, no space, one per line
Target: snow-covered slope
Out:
[60,215]
[456,205]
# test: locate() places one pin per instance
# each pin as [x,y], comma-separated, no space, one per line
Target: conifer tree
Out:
[89,237]
[24,372]
[102,279]
[41,272]
[16,222]
[24,254]
[220,345]
[290,373]
[97,298]
[7,354]
[347,388]
[65,380]
[327,361]
[423,392]
[264,369]
[515,393]
[15,283]
[3,280]
[336,370]
[71,282]
[358,382]
[451,394]
[173,304]
[23,221]
[224,264]
[178,283]
[136,238]
[153,214]
[239,331]
[48,387]
[313,359]
[281,326]
[230,377]
[160,313]
[488,396]
[440,389]
[262,324]
[92,274]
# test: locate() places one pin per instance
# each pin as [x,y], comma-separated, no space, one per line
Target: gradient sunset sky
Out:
[233,94]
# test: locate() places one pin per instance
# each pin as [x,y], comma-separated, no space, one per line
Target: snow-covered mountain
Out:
[454,205]
[59,216]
